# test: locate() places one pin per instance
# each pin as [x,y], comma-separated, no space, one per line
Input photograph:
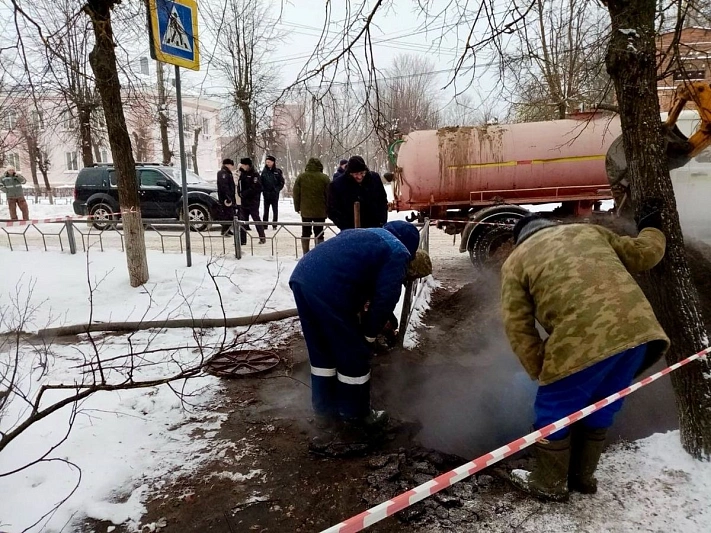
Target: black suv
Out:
[96,194]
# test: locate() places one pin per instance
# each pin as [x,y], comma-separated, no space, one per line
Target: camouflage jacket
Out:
[575,281]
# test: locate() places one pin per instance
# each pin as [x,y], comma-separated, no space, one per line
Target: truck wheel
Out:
[492,241]
[103,216]
[199,213]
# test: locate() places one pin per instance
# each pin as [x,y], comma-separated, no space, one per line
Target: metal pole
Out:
[70,237]
[183,169]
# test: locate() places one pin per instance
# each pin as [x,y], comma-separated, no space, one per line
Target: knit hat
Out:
[529,225]
[356,164]
[406,233]
[343,162]
[228,161]
[419,267]
[271,158]
[245,161]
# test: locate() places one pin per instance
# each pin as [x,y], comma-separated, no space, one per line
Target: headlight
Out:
[215,196]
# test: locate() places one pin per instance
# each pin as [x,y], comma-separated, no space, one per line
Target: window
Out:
[188,160]
[113,178]
[13,160]
[37,118]
[72,161]
[187,123]
[145,69]
[691,70]
[150,178]
[103,156]
[206,125]
[68,120]
[11,119]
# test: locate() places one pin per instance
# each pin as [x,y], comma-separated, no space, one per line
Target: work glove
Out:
[650,214]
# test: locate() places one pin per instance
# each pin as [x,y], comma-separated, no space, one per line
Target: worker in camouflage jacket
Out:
[310,197]
[576,281]
[11,184]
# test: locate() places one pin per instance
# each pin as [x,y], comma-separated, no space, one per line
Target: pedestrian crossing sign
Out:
[174,32]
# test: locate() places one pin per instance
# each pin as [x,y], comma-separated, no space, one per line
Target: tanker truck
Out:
[474,181]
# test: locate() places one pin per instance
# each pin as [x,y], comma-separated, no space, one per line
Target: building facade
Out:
[691,63]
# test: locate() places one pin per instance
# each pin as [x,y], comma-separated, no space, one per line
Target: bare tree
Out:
[558,63]
[242,30]
[163,114]
[103,62]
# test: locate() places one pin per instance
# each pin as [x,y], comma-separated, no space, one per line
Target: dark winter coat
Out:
[272,182]
[344,191]
[311,191]
[249,188]
[353,268]
[339,172]
[225,186]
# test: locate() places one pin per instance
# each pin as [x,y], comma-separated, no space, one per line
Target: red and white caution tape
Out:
[13,223]
[390,507]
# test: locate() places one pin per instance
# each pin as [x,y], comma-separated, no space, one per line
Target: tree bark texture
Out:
[194,148]
[84,114]
[631,63]
[103,62]
[163,116]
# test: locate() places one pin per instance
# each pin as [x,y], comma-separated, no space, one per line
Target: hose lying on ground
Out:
[173,323]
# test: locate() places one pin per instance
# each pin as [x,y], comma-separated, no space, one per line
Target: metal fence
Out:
[168,236]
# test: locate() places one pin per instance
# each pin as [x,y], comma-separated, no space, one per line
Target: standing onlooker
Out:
[272,184]
[310,197]
[11,184]
[250,190]
[226,194]
[341,169]
[357,184]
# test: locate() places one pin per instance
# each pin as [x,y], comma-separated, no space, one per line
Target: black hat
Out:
[343,162]
[271,158]
[228,161]
[356,164]
[531,223]
[245,161]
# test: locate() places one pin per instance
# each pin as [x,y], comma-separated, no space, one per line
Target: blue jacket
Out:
[356,266]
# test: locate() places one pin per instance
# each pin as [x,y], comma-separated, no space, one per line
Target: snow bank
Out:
[649,485]
[173,291]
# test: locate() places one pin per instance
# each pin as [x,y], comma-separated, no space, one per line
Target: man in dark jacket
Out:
[250,190]
[272,184]
[331,285]
[357,184]
[226,193]
[310,196]
[341,169]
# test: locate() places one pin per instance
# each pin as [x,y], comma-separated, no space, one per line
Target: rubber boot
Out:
[305,245]
[587,445]
[549,479]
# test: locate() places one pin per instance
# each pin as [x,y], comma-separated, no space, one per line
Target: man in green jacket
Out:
[310,198]
[575,281]
[11,184]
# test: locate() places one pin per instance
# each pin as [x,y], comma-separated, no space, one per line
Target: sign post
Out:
[173,31]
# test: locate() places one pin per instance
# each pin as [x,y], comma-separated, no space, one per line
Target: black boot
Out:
[587,445]
[549,479]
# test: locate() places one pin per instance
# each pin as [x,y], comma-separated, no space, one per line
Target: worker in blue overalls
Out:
[331,286]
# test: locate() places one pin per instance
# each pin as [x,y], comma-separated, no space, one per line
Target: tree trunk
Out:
[631,63]
[163,117]
[249,130]
[33,154]
[103,62]
[194,149]
[45,177]
[87,156]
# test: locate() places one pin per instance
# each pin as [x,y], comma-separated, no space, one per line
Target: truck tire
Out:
[491,240]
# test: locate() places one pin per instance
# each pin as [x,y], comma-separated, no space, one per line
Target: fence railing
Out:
[168,235]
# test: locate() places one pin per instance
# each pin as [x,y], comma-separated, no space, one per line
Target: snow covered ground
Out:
[649,485]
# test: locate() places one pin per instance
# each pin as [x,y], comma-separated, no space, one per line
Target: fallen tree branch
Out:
[195,323]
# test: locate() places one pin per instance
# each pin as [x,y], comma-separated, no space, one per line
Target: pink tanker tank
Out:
[469,168]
